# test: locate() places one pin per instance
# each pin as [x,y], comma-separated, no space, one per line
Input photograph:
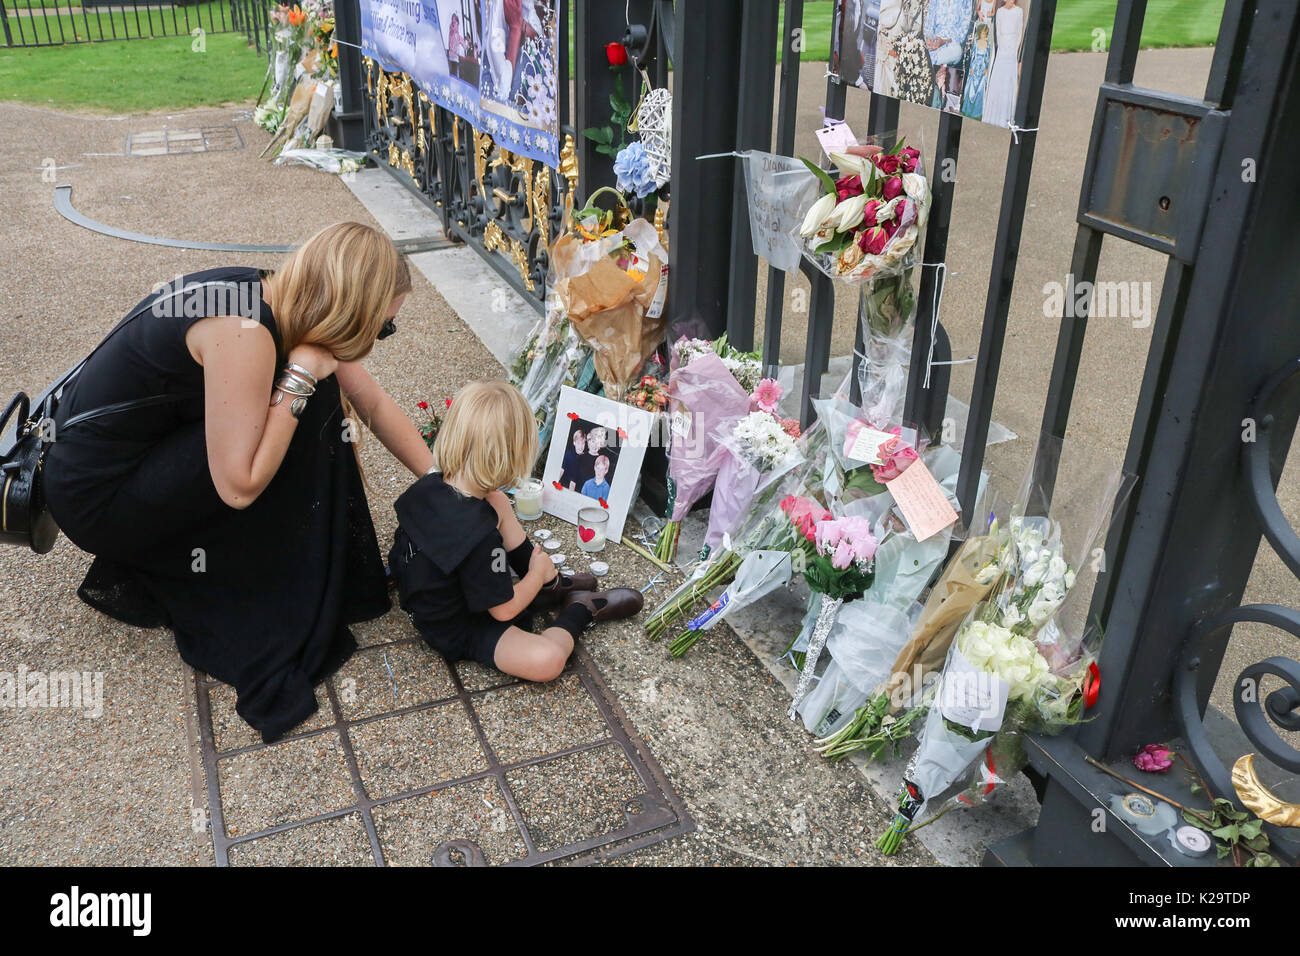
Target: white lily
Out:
[850,165]
[817,215]
[849,213]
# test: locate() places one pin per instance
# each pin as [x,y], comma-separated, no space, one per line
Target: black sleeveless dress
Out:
[259,598]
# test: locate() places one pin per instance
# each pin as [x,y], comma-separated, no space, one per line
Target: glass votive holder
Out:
[528,499]
[592,523]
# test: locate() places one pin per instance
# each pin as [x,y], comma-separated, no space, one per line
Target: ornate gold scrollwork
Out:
[519,256]
[493,237]
[482,148]
[381,97]
[370,64]
[394,155]
[541,208]
[569,170]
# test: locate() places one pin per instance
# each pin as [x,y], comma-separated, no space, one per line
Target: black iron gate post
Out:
[1180,557]
[347,26]
[706,49]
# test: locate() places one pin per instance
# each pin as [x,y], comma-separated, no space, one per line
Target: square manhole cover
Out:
[411,761]
[195,139]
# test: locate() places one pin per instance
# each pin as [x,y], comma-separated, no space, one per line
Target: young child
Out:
[598,487]
[458,540]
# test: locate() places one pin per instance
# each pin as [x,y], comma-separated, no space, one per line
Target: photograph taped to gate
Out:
[959,56]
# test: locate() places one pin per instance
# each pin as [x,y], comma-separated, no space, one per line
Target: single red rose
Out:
[870,210]
[616,53]
[890,226]
[1091,685]
[886,162]
[422,405]
[893,187]
[909,157]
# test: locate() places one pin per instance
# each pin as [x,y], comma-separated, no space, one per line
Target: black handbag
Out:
[25,517]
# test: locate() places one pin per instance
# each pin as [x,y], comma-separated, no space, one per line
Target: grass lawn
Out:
[131,76]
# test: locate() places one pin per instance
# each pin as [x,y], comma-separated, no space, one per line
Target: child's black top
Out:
[450,565]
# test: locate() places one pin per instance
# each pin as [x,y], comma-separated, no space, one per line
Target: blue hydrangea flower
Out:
[632,168]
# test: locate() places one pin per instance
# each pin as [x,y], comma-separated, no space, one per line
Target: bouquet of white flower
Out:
[754,452]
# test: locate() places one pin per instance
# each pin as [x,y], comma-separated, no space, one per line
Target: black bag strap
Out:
[134,403]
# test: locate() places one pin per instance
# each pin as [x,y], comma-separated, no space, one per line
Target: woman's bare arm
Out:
[246,438]
[383,417]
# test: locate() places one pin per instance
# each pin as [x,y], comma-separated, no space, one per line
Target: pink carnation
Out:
[805,514]
[1154,758]
[767,395]
[791,427]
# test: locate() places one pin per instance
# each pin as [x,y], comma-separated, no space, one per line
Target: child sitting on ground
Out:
[458,540]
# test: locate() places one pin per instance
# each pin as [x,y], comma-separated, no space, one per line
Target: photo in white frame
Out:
[595,457]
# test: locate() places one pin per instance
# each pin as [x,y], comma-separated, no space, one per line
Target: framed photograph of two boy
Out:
[959,56]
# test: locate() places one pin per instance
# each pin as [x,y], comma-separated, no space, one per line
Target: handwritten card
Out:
[924,506]
[837,138]
[864,445]
[972,697]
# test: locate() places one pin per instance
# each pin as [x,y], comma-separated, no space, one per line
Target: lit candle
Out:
[528,499]
[591,528]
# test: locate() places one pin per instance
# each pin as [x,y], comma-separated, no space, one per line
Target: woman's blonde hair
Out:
[489,438]
[334,290]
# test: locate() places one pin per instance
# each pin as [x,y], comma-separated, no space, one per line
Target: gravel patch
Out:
[410,830]
[341,841]
[530,720]
[292,781]
[365,688]
[229,730]
[576,797]
[420,749]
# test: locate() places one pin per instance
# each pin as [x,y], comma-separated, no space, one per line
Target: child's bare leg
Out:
[535,657]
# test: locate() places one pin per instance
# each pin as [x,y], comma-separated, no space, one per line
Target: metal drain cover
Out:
[196,139]
[411,761]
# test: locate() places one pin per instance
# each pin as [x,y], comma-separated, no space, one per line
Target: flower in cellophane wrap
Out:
[765,527]
[841,568]
[752,453]
[612,284]
[706,395]
[552,355]
[865,222]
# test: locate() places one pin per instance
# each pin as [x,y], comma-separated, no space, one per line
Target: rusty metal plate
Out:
[1150,165]
[486,797]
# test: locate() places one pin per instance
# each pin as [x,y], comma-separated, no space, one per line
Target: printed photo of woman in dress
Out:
[977,72]
[906,72]
[1004,77]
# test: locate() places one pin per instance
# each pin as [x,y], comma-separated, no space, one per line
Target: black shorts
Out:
[473,638]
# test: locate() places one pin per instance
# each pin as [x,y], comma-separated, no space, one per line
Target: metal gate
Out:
[56,22]
[1223,352]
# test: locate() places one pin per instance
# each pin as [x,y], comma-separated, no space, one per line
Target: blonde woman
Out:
[205,454]
[458,541]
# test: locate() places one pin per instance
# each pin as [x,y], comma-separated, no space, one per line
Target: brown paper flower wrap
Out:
[607,306]
[950,600]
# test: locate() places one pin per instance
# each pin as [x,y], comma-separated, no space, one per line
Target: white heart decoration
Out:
[654,123]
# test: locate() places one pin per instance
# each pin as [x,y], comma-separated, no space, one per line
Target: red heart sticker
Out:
[621,433]
[586,534]
[603,503]
[573,416]
[558,486]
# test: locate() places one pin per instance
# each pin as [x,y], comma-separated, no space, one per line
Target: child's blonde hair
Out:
[489,438]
